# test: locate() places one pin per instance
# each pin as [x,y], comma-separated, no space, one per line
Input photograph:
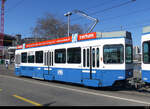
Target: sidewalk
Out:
[9,71]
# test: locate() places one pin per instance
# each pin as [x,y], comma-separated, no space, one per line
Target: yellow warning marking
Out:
[26,100]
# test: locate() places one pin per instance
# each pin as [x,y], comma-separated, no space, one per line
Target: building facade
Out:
[7,51]
[136,53]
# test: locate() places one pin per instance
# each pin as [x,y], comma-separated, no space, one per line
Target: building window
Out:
[113,54]
[74,55]
[24,57]
[39,56]
[60,56]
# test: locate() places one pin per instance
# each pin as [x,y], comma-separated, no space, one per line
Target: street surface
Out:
[23,91]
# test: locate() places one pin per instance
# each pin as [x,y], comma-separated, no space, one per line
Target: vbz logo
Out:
[60,72]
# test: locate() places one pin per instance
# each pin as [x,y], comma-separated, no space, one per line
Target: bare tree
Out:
[51,27]
[76,29]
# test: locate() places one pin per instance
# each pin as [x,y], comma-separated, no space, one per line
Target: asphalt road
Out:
[21,91]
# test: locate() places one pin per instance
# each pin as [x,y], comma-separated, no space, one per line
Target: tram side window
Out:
[84,58]
[24,57]
[97,57]
[39,56]
[129,54]
[74,55]
[31,59]
[52,58]
[146,52]
[88,58]
[45,58]
[60,56]
[113,54]
[93,55]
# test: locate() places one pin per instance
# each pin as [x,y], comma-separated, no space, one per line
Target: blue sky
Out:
[21,15]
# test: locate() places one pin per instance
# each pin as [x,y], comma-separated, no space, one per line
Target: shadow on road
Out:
[49,104]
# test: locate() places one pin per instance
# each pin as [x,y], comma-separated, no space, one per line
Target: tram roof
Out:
[80,37]
[146,29]
[114,34]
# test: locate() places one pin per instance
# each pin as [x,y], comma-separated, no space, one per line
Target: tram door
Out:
[91,62]
[49,61]
[17,64]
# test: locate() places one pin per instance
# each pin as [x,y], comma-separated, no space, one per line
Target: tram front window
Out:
[146,52]
[113,54]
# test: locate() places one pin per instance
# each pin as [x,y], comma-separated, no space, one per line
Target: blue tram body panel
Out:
[48,73]
[91,82]
[38,72]
[100,78]
[129,73]
[17,71]
[105,78]
[26,71]
[146,76]
[111,76]
[67,75]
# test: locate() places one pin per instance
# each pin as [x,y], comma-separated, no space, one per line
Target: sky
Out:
[113,15]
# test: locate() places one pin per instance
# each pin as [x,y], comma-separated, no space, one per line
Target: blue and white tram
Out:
[93,59]
[145,45]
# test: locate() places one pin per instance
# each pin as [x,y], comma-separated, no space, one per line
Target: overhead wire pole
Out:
[2,16]
[68,15]
[2,26]
[91,27]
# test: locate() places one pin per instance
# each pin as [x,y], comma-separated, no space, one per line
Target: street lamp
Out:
[68,15]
